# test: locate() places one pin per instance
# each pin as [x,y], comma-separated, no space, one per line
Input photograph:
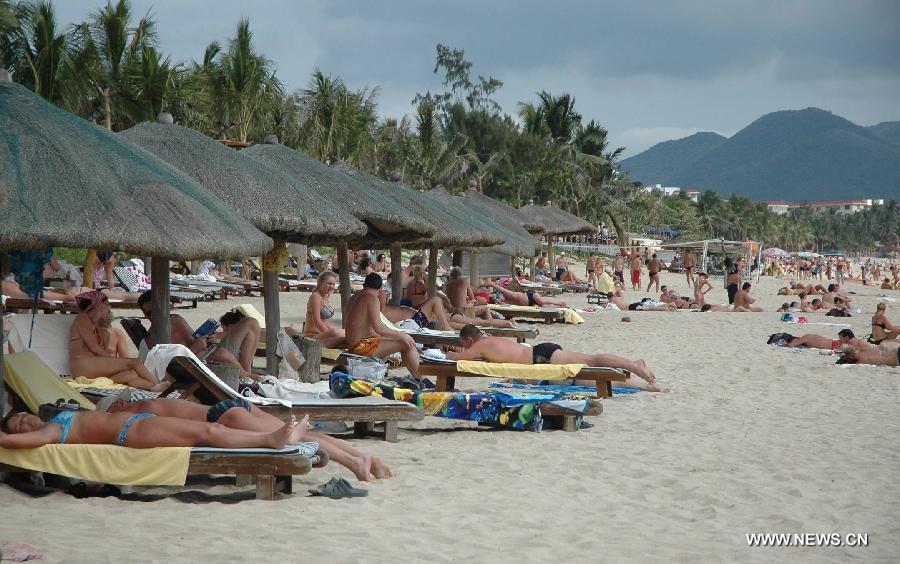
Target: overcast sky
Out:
[648,71]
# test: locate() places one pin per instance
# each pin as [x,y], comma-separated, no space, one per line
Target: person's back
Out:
[457,289]
[742,299]
[359,324]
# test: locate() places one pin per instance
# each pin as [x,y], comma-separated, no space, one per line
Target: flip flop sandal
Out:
[338,488]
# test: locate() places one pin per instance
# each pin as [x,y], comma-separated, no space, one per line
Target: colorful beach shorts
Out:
[365,346]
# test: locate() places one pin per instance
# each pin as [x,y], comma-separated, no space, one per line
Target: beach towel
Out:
[106,464]
[520,371]
[36,383]
[480,407]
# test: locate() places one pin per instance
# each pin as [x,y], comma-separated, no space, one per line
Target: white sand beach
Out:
[747,438]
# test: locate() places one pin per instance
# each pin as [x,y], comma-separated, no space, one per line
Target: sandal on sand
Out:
[338,488]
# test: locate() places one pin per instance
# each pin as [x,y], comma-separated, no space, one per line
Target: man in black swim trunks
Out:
[496,349]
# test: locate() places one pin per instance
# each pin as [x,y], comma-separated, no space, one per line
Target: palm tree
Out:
[338,123]
[117,47]
[559,115]
[432,160]
[242,85]
[31,47]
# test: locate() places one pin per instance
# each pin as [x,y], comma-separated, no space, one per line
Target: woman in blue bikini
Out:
[137,430]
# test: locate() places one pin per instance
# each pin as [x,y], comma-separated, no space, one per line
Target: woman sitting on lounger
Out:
[238,413]
[319,313]
[416,289]
[138,430]
[96,350]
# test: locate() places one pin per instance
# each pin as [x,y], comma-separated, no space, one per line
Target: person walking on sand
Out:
[689,261]
[619,267]
[635,262]
[654,265]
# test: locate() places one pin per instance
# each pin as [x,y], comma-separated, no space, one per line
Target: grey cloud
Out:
[641,68]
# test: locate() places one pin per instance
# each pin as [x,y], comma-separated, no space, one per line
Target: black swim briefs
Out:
[541,353]
[218,410]
[530,294]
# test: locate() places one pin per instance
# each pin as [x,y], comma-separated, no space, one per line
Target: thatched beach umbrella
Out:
[556,223]
[509,219]
[453,225]
[71,183]
[386,219]
[276,203]
[517,242]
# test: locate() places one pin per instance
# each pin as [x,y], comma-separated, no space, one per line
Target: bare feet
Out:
[159,387]
[643,371]
[362,468]
[280,437]
[380,469]
[299,430]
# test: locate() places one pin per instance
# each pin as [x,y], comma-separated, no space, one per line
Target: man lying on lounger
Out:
[138,430]
[237,413]
[529,298]
[496,349]
[237,347]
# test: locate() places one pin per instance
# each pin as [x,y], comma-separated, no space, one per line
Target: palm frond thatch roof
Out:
[71,183]
[556,221]
[516,240]
[498,208]
[453,225]
[276,203]
[386,219]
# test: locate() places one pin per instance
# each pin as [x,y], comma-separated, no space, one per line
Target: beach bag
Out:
[835,312]
[289,351]
[367,368]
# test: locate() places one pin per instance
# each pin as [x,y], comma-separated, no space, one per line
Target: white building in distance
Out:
[844,207]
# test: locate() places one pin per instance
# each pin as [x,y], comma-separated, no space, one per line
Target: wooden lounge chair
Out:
[193,380]
[270,472]
[545,314]
[541,289]
[33,383]
[446,371]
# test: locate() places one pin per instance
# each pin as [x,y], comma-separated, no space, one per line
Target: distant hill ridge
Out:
[796,155]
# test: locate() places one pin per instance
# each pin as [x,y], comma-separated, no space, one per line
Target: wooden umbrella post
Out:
[396,274]
[531,269]
[473,269]
[160,326]
[89,262]
[272,263]
[550,257]
[344,280]
[432,269]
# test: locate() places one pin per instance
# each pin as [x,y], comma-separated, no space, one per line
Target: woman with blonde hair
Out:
[319,313]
